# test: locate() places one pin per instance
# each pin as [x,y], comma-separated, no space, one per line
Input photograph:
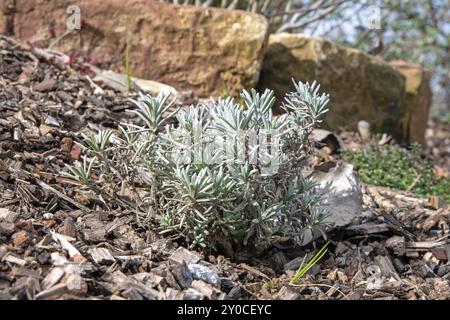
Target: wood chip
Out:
[181,273]
[12,259]
[46,187]
[68,228]
[253,270]
[66,245]
[58,259]
[206,289]
[52,278]
[396,244]
[424,245]
[53,292]
[287,293]
[381,201]
[447,250]
[46,85]
[172,294]
[6,228]
[183,255]
[31,287]
[20,239]
[132,294]
[192,294]
[94,235]
[76,284]
[440,253]
[386,266]
[123,283]
[3,251]
[368,228]
[101,256]
[432,220]
[436,202]
[294,264]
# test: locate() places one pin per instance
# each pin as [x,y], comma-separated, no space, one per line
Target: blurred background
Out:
[415,31]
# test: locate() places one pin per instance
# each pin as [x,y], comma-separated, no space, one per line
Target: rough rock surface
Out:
[417,99]
[362,87]
[224,54]
[342,194]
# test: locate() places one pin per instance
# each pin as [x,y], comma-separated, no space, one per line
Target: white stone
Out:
[342,194]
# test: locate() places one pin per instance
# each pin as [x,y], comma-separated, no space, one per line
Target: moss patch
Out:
[399,169]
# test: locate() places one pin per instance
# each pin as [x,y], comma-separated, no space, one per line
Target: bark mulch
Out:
[60,242]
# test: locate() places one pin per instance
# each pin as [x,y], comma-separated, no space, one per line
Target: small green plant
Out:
[81,171]
[304,268]
[227,172]
[398,169]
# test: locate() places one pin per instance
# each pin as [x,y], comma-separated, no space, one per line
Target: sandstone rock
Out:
[207,50]
[361,87]
[417,100]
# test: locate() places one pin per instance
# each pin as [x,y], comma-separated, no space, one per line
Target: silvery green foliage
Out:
[225,173]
